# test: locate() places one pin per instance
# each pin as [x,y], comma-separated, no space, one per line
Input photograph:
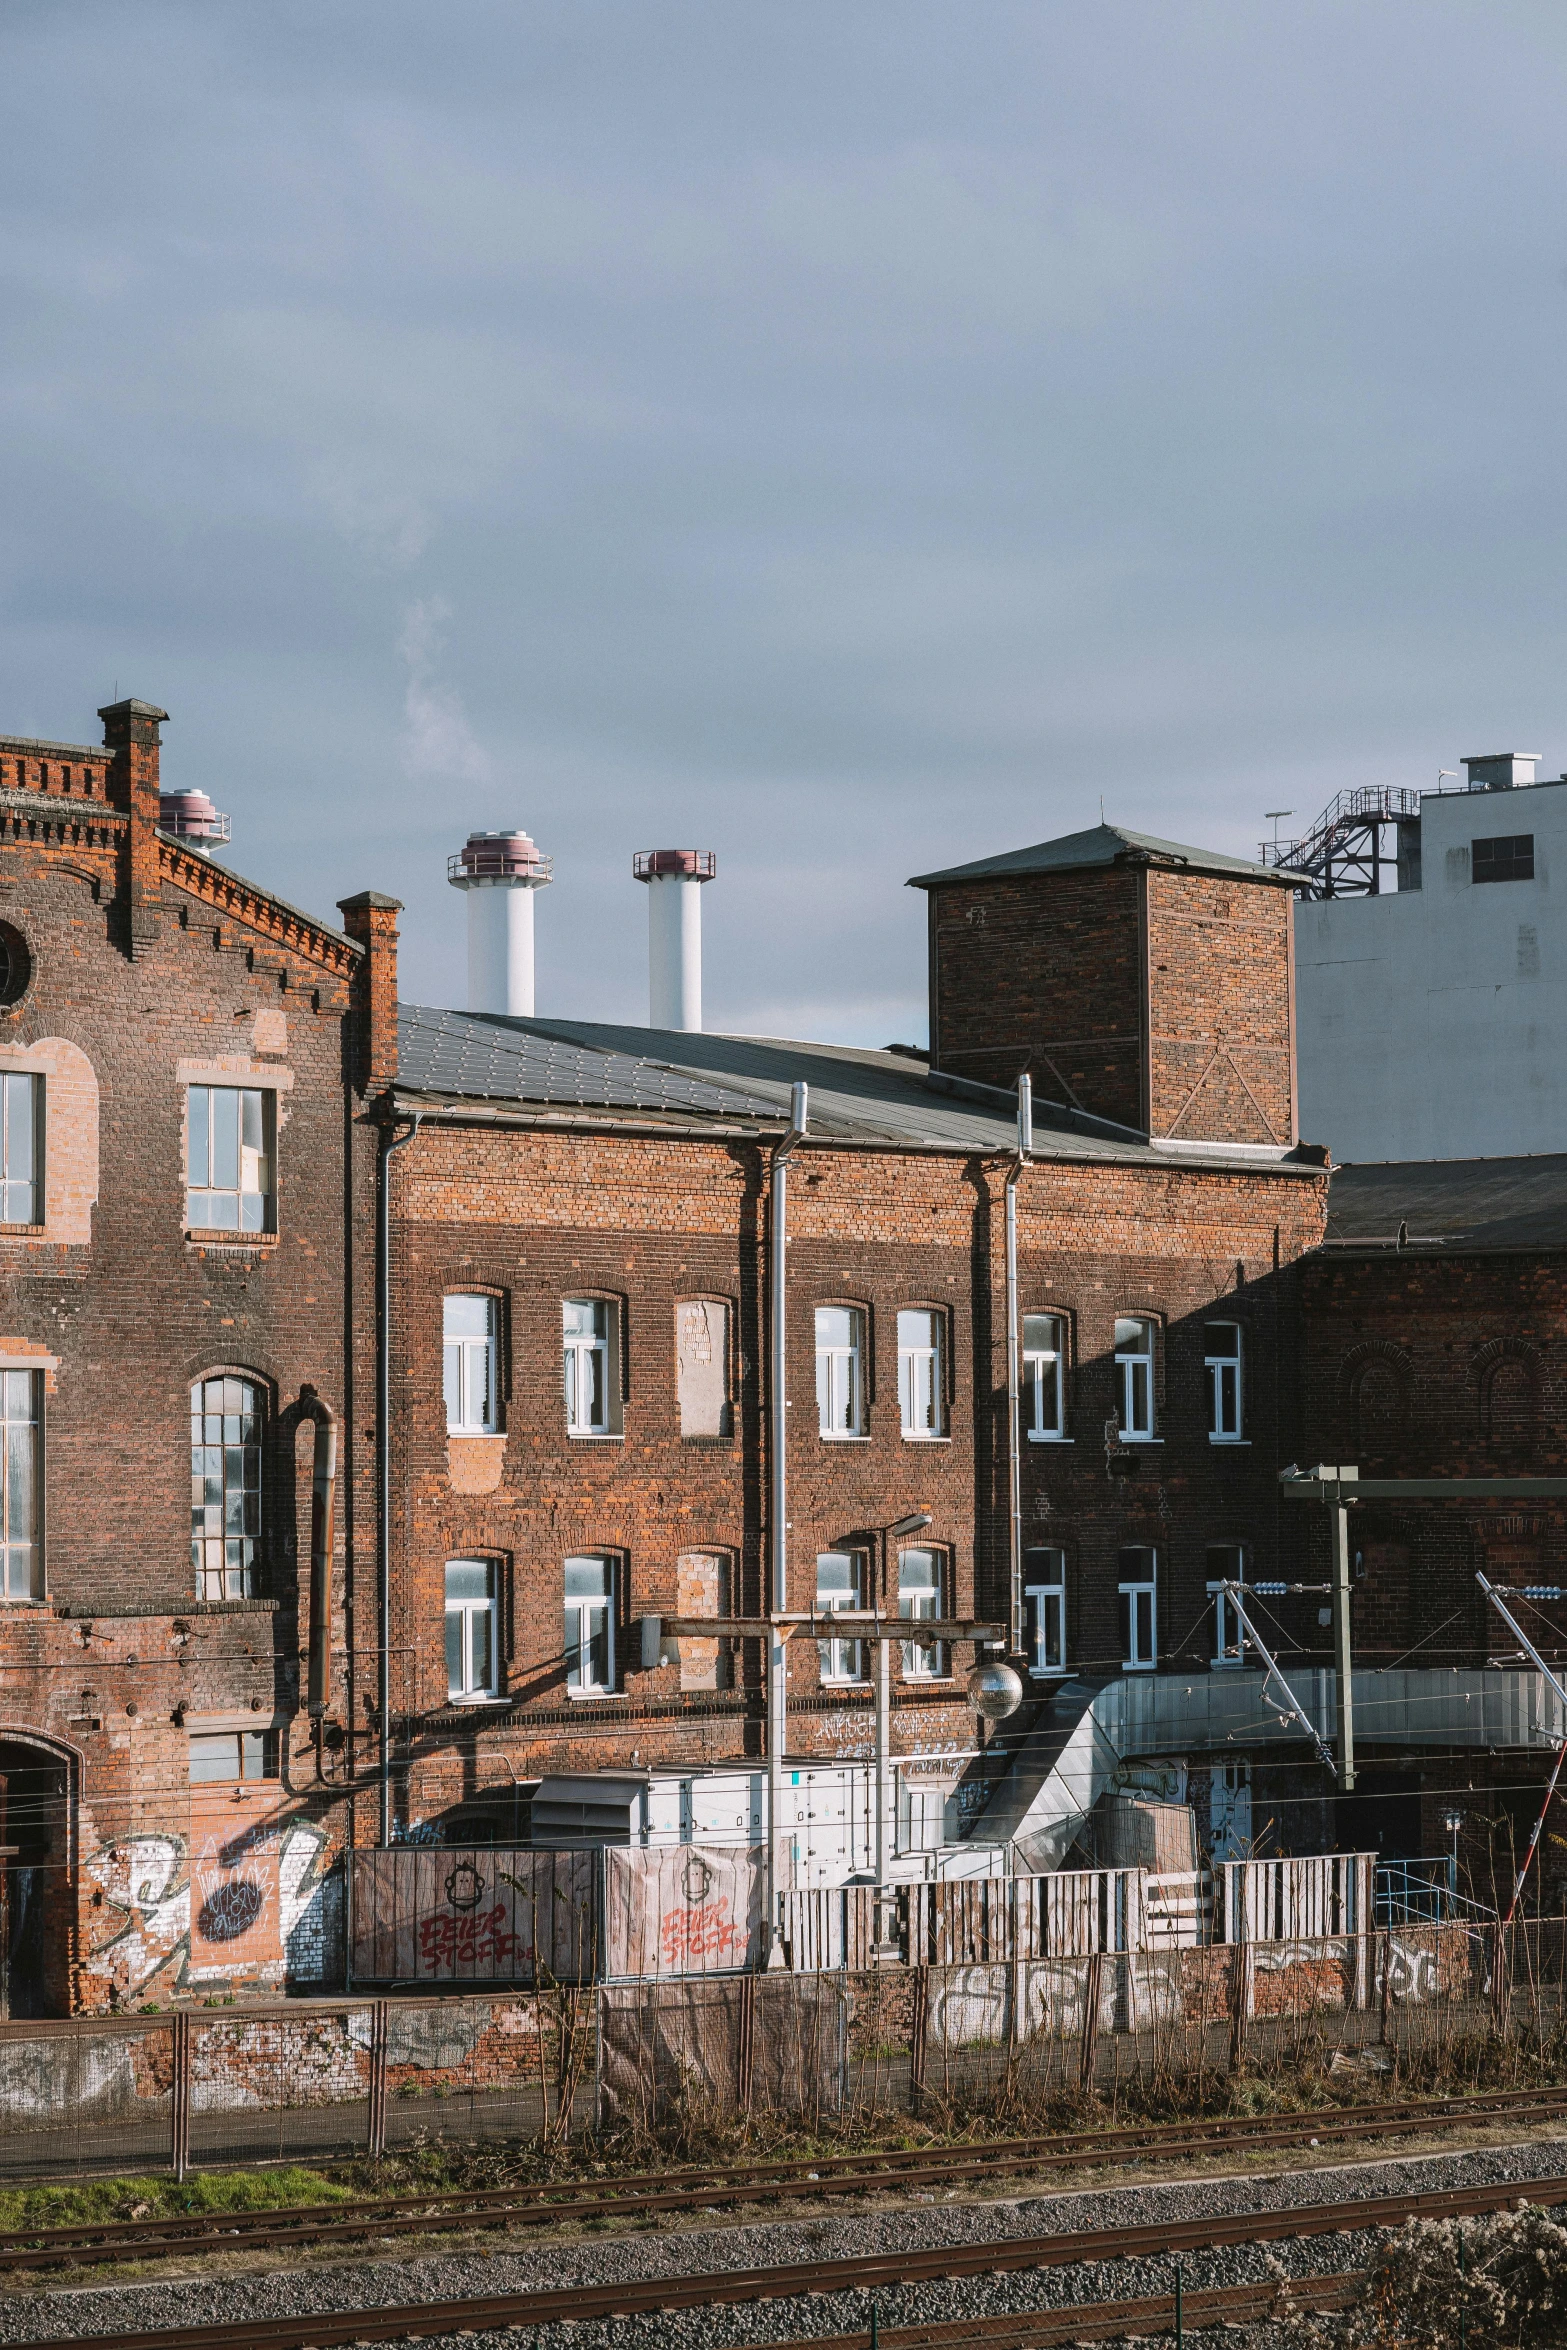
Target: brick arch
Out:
[1508,1374]
[1376,1380]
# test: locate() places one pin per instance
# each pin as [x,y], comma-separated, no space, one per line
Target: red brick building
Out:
[1436,1346]
[581,1229]
[186,1270]
[205,1098]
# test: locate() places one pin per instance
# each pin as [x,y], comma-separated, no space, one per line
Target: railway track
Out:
[863,2273]
[1089,2321]
[695,2188]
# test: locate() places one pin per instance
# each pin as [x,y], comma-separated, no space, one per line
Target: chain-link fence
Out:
[834,2050]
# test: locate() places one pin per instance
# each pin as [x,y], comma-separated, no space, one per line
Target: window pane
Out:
[836,1326]
[225,1138]
[588,1578]
[1041,1334]
[916,1327]
[454,1658]
[253,1754]
[251,1135]
[200,1160]
[917,1571]
[583,1317]
[451,1381]
[1131,1338]
[837,1577]
[214,1758]
[19,1130]
[469,1578]
[468,1317]
[481,1624]
[480,1409]
[597,1660]
[1223,1340]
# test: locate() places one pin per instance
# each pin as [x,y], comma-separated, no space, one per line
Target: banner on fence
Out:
[683,1910]
[438,1914]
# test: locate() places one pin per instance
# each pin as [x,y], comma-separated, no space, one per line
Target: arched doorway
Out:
[35,1876]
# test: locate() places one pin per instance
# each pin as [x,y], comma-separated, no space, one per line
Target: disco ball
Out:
[994,1690]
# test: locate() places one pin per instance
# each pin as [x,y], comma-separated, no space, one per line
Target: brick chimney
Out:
[372,920]
[130,732]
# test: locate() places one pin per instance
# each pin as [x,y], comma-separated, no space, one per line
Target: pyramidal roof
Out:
[1104,844]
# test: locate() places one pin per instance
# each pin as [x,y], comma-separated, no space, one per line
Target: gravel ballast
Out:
[377,2282]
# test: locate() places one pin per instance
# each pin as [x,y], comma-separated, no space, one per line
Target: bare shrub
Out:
[1480,2283]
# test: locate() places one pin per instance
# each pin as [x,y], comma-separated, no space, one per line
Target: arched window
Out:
[227,1419]
[1379,1405]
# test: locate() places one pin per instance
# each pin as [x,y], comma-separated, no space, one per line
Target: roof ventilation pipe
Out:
[192,820]
[674,880]
[500,872]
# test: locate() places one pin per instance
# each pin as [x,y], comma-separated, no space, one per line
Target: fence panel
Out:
[683,1910]
[90,2094]
[436,1914]
[1294,1900]
[279,2083]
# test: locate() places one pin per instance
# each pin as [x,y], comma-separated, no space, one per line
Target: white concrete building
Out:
[1431,1022]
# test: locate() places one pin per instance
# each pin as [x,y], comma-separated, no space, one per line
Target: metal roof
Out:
[1450,1203]
[1102,844]
[857,1095]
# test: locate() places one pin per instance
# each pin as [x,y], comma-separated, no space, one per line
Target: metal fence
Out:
[324,2078]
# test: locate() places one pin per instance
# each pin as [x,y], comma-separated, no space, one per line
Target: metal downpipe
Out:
[777,1646]
[383,1432]
[1025,1146]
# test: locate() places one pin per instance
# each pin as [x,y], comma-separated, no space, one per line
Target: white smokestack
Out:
[500,872]
[674,880]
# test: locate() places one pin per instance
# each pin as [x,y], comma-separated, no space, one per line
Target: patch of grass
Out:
[85,2200]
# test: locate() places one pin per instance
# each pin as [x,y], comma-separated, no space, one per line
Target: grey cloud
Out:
[847,439]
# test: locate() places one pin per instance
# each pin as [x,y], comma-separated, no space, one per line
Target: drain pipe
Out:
[777,1640]
[1025,1147]
[383,1415]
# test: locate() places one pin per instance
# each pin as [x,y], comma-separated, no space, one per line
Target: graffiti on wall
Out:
[228,1902]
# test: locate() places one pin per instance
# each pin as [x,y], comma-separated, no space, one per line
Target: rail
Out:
[785,2280]
[96,2243]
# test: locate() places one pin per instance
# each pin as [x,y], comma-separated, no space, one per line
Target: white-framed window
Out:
[229,1183]
[591,1335]
[840,1584]
[1044,1600]
[919,1598]
[1044,1378]
[1134,1345]
[233,1754]
[227,1425]
[1139,1610]
[20,1560]
[468,1365]
[590,1627]
[473,1648]
[21,1149]
[702,1365]
[921,1386]
[840,1384]
[1226,1564]
[1226,1394]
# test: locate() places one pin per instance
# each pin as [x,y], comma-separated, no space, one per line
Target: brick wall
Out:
[1159,999]
[152,968]
[532,1217]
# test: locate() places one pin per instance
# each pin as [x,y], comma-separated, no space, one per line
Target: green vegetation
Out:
[84,2200]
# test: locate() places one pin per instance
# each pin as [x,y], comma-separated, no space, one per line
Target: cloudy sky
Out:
[850,437]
